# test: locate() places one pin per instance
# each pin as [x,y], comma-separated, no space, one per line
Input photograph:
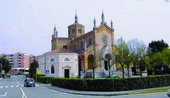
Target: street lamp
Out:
[1,67]
[162,70]
[140,66]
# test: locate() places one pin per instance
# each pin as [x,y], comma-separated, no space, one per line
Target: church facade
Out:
[94,47]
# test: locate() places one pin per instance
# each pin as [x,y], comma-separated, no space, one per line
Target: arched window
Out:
[52,59]
[81,44]
[52,69]
[66,59]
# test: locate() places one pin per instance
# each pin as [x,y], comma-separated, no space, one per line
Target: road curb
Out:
[96,94]
[85,92]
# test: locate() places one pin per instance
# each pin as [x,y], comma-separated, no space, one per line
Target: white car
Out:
[168,93]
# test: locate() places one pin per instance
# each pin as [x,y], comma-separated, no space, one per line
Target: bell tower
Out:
[54,39]
[76,29]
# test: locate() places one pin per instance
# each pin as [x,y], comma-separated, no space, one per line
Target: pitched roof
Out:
[61,50]
[63,38]
[105,26]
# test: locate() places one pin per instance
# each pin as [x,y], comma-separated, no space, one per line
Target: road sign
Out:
[38,72]
[47,71]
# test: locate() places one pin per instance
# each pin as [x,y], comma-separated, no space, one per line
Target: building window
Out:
[65,46]
[11,55]
[52,59]
[73,31]
[66,59]
[75,47]
[79,30]
[81,44]
[52,69]
[90,41]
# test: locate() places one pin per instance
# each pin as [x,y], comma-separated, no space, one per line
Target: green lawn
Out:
[151,91]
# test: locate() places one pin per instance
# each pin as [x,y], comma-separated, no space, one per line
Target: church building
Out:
[94,47]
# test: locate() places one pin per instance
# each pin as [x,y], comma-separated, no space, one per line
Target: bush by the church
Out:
[112,84]
[69,83]
[44,79]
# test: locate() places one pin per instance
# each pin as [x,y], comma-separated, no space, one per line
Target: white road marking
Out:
[23,94]
[1,86]
[4,94]
[11,86]
[6,86]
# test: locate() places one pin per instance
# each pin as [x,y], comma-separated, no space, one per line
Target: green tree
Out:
[32,68]
[146,58]
[138,49]
[123,52]
[156,62]
[128,60]
[166,59]
[5,64]
[141,61]
[157,46]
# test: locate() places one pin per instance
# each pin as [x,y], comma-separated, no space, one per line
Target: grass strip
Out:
[151,91]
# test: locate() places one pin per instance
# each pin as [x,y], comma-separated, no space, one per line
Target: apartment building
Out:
[20,62]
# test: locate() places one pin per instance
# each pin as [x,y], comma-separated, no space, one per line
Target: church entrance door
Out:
[107,61]
[105,65]
[66,73]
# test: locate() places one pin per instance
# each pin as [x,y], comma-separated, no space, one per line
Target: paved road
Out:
[13,88]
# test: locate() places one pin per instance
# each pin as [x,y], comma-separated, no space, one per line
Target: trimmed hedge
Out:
[43,79]
[69,83]
[111,84]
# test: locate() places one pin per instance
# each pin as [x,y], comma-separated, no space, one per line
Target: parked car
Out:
[168,93]
[29,82]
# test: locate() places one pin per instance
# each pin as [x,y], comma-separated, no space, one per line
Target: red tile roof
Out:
[61,50]
[63,38]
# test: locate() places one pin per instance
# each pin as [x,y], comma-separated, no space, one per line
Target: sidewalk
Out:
[95,93]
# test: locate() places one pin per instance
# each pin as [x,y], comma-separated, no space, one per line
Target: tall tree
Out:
[156,62]
[157,46]
[146,58]
[129,60]
[138,49]
[123,52]
[166,59]
[5,64]
[32,69]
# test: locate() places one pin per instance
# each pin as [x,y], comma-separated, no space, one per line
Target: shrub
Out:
[69,83]
[27,75]
[111,84]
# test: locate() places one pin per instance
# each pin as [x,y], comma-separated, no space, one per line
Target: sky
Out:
[26,26]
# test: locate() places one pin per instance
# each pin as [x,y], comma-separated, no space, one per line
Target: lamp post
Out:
[162,70]
[1,67]
[36,74]
[109,67]
[140,66]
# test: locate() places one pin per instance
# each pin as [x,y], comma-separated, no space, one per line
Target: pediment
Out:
[104,28]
